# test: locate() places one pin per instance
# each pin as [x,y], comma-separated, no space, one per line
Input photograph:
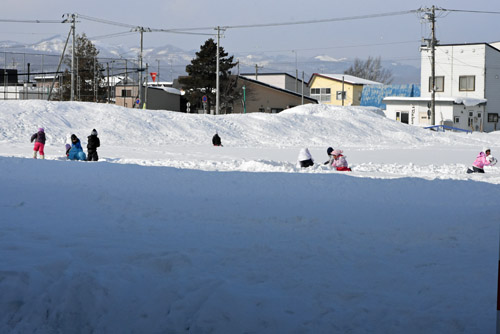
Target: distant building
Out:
[159,97]
[338,89]
[280,80]
[127,93]
[468,77]
[266,98]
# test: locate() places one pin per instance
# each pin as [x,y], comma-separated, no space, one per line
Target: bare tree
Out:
[371,69]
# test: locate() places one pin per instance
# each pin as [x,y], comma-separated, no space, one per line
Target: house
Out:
[280,80]
[159,97]
[467,76]
[267,98]
[127,93]
[338,89]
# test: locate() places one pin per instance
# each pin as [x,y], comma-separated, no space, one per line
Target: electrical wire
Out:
[469,11]
[30,21]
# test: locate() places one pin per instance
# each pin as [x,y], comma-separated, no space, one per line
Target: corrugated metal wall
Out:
[373,94]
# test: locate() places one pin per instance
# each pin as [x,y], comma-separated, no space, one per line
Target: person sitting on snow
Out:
[76,151]
[339,161]
[484,158]
[305,159]
[216,141]
[330,156]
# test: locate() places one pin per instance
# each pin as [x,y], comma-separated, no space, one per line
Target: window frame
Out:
[467,88]
[437,87]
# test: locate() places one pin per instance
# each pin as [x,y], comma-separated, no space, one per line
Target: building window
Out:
[126,93]
[262,110]
[439,84]
[467,83]
[457,119]
[321,94]
[492,118]
[341,95]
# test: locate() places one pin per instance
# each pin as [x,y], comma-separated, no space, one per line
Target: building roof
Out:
[466,101]
[350,79]
[493,45]
[269,74]
[277,88]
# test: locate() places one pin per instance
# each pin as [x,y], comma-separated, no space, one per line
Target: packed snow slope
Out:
[406,243]
[375,145]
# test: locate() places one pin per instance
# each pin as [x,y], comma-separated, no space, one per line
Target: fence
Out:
[34,72]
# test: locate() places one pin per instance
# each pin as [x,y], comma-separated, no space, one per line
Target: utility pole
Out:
[158,71]
[302,99]
[430,15]
[217,74]
[72,19]
[433,65]
[107,68]
[342,90]
[256,72]
[73,27]
[141,30]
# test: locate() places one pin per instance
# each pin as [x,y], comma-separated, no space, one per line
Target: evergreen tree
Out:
[371,69]
[201,79]
[88,73]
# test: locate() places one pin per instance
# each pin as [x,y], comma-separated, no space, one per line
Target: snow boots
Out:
[34,154]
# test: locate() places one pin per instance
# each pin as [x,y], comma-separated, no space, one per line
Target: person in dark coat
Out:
[216,140]
[93,144]
[39,139]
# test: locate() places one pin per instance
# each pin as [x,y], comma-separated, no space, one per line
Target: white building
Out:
[467,88]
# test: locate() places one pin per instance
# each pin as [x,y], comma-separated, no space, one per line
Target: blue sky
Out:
[393,37]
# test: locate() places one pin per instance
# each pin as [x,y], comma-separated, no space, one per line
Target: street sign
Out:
[204,98]
[153,75]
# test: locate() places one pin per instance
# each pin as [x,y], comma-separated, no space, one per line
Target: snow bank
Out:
[312,125]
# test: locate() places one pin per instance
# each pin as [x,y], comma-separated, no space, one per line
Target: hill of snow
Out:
[168,234]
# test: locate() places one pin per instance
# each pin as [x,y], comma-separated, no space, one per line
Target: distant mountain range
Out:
[173,60]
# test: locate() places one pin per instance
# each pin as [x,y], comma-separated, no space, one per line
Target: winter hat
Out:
[73,137]
[337,152]
[41,130]
[94,132]
[486,149]
[329,151]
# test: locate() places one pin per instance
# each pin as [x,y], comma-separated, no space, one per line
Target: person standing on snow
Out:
[305,159]
[339,161]
[93,144]
[484,158]
[39,139]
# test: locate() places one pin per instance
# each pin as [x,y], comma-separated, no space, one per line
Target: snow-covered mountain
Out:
[173,60]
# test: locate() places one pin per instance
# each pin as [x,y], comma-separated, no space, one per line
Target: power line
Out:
[30,21]
[332,47]
[469,11]
[348,18]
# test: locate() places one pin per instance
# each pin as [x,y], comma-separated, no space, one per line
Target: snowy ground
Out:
[167,234]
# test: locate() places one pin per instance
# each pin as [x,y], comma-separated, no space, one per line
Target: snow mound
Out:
[308,125]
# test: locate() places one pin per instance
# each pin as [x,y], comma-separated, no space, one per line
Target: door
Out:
[404,117]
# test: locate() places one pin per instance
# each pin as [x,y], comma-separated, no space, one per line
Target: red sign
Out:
[153,75]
